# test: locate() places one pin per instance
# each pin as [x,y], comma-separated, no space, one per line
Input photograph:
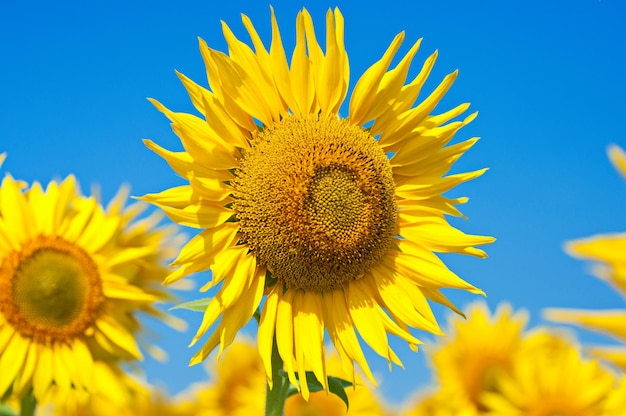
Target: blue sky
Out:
[546,77]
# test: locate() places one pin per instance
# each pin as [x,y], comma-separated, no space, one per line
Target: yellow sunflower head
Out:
[73,277]
[335,220]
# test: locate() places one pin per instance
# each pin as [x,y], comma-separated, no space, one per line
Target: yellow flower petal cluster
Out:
[73,279]
[113,392]
[329,225]
[607,251]
[491,366]
[547,383]
[478,350]
[238,387]
[440,403]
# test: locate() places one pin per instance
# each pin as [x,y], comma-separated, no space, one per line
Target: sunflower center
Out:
[50,290]
[315,201]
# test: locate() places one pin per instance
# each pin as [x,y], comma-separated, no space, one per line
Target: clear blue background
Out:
[548,79]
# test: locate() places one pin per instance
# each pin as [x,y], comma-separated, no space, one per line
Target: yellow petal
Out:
[424,268]
[364,314]
[300,72]
[119,335]
[610,322]
[44,372]
[265,333]
[208,244]
[331,85]
[12,360]
[15,212]
[405,300]
[442,237]
[618,158]
[341,330]
[309,334]
[362,98]
[284,333]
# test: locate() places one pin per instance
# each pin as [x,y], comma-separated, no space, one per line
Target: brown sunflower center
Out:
[315,201]
[50,289]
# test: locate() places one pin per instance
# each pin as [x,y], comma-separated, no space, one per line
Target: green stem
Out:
[275,397]
[28,404]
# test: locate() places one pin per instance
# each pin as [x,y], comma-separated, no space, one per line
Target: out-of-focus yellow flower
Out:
[548,382]
[363,400]
[113,393]
[336,220]
[608,252]
[479,354]
[440,403]
[478,350]
[73,278]
[238,387]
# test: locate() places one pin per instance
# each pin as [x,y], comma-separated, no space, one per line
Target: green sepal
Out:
[6,411]
[269,280]
[336,386]
[198,305]
[6,395]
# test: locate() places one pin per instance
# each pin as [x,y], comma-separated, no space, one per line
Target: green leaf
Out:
[335,385]
[6,411]
[198,305]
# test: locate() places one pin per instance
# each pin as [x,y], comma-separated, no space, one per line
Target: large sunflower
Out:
[336,220]
[72,278]
[607,251]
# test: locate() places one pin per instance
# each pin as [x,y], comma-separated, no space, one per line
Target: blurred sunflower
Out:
[363,401]
[477,351]
[560,382]
[237,387]
[336,220]
[72,278]
[607,251]
[440,403]
[112,392]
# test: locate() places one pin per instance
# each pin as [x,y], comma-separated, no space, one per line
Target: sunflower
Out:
[607,252]
[112,392]
[73,277]
[237,386]
[556,382]
[326,223]
[478,350]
